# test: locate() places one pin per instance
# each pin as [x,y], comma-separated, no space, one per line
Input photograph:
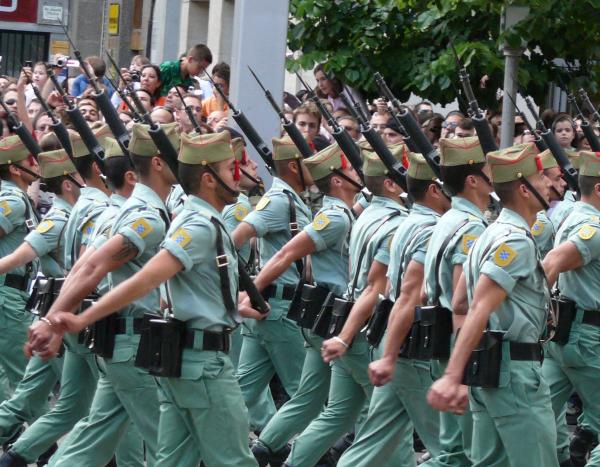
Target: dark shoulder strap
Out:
[222,264]
[294,229]
[408,243]
[365,244]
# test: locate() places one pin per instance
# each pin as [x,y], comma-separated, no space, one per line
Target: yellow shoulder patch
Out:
[181,237]
[586,232]
[5,209]
[321,221]
[141,227]
[44,226]
[537,228]
[467,242]
[595,218]
[88,228]
[240,212]
[264,201]
[504,255]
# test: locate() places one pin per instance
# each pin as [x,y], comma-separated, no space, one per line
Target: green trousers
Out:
[394,410]
[575,367]
[29,401]
[513,425]
[202,415]
[78,384]
[14,323]
[349,393]
[456,432]
[306,403]
[124,394]
[269,346]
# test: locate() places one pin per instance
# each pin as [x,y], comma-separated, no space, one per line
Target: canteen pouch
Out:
[167,339]
[435,332]
[410,346]
[566,315]
[378,322]
[313,297]
[296,304]
[102,336]
[143,355]
[483,368]
[339,315]
[323,319]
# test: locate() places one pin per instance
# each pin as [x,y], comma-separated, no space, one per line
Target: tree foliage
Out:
[408,41]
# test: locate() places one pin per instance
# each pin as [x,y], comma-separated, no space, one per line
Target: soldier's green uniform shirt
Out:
[456,252]
[330,231]
[176,199]
[140,221]
[271,221]
[410,242]
[105,221]
[378,248]
[13,208]
[513,263]
[562,209]
[47,239]
[233,215]
[543,232]
[91,203]
[196,291]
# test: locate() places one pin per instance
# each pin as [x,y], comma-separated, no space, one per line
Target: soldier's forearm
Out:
[21,256]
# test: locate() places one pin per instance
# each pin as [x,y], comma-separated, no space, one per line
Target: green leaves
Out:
[408,42]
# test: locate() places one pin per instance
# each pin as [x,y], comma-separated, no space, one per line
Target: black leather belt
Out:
[286,294]
[526,351]
[591,317]
[16,281]
[121,326]
[216,341]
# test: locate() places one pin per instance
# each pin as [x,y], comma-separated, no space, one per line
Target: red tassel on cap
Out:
[405,162]
[244,157]
[344,161]
[538,163]
[312,147]
[236,173]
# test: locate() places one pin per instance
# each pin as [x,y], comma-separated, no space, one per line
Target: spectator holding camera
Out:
[98,67]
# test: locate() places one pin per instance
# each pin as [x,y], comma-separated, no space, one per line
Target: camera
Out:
[61,61]
[135,75]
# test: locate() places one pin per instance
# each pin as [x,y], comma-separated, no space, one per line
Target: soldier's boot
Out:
[581,445]
[45,457]
[264,456]
[340,447]
[12,459]
[566,463]
[112,462]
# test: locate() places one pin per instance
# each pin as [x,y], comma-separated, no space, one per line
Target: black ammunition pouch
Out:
[435,332]
[143,356]
[483,368]
[313,298]
[296,307]
[410,346]
[45,290]
[339,314]
[167,341]
[323,319]
[377,323]
[566,311]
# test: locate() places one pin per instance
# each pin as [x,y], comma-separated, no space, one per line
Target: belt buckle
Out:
[294,227]
[30,224]
[222,261]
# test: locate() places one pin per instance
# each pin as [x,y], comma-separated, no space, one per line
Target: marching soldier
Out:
[509,296]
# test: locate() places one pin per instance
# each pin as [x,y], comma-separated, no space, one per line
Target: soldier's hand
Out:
[247,311]
[52,349]
[381,371]
[447,395]
[243,298]
[67,322]
[40,335]
[332,349]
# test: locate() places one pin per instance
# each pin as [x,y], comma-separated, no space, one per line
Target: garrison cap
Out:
[364,145]
[205,149]
[461,151]
[55,164]
[239,150]
[521,160]
[419,168]
[573,157]
[548,160]
[141,143]
[376,167]
[325,161]
[112,148]
[79,148]
[285,149]
[589,163]
[12,150]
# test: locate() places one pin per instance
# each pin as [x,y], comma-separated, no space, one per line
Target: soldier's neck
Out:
[158,185]
[22,184]
[525,210]
[346,196]
[97,182]
[293,180]
[591,200]
[475,198]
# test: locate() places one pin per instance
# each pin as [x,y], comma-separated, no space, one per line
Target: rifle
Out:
[57,126]
[190,114]
[341,136]
[539,142]
[263,150]
[21,130]
[86,133]
[586,128]
[290,127]
[125,99]
[411,126]
[482,127]
[569,172]
[108,111]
